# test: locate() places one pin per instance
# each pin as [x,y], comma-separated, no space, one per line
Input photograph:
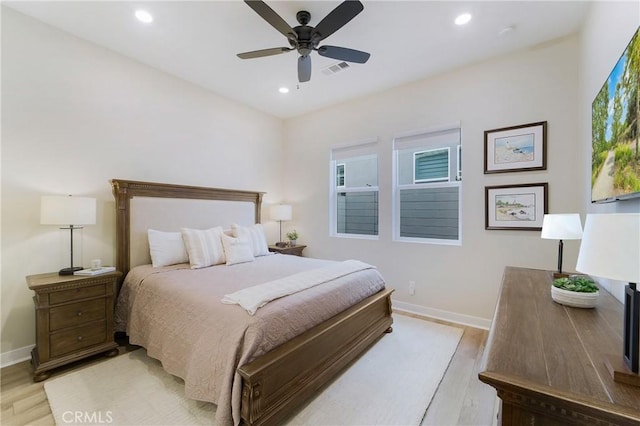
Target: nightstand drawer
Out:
[76,293]
[76,314]
[78,338]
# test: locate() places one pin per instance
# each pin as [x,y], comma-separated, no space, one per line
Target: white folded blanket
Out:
[252,298]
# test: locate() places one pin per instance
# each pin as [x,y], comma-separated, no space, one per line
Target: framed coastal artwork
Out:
[516,206]
[516,148]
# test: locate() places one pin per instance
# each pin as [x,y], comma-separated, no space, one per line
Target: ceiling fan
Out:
[305,38]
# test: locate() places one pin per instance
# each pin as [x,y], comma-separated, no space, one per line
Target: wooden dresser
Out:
[546,360]
[74,319]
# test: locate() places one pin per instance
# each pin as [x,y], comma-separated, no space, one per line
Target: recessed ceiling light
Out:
[144,16]
[506,30]
[463,19]
[283,90]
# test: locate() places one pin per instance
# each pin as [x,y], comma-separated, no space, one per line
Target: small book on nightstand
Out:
[99,271]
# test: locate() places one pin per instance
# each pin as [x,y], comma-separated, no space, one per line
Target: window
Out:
[431,166]
[354,191]
[459,175]
[340,175]
[427,186]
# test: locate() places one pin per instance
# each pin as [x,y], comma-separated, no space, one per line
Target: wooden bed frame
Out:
[276,383]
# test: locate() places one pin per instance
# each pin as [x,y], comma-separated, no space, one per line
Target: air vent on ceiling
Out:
[335,68]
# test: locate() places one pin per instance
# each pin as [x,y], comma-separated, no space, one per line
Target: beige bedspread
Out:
[176,313]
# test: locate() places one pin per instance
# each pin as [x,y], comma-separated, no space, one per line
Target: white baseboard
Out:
[15,356]
[439,314]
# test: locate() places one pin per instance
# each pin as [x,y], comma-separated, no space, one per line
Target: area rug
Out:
[391,384]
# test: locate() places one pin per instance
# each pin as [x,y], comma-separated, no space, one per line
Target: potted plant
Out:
[576,290]
[292,236]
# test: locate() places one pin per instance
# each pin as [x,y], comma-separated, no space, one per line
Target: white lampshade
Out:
[281,212]
[610,247]
[67,210]
[561,227]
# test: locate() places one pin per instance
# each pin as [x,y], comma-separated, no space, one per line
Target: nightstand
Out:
[294,250]
[74,319]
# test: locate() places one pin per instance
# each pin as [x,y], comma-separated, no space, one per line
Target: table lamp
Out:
[281,212]
[561,227]
[70,211]
[610,249]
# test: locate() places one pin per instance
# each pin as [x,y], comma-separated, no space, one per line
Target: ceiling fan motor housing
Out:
[306,43]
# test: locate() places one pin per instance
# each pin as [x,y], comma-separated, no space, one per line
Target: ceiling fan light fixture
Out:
[283,90]
[463,19]
[144,16]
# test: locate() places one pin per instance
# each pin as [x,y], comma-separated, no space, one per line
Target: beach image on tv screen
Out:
[615,162]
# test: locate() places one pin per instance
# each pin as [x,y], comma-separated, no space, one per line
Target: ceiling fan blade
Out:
[344,54]
[304,68]
[263,52]
[337,18]
[272,18]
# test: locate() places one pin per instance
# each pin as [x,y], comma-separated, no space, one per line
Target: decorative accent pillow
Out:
[255,235]
[166,248]
[237,250]
[204,246]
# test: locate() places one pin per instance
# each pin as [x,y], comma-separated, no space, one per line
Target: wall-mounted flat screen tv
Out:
[615,128]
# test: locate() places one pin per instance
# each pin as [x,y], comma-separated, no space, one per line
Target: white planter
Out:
[574,298]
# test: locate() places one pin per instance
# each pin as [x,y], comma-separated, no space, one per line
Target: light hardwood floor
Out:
[461,398]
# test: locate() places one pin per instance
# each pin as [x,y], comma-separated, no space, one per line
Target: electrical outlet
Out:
[412,287]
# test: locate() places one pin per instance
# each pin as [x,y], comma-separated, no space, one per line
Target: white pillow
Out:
[237,250]
[204,246]
[255,235]
[166,248]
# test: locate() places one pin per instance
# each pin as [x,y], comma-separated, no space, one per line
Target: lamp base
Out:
[620,372]
[560,275]
[281,244]
[70,271]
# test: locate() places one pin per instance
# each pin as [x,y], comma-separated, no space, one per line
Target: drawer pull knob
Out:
[79,313]
[79,338]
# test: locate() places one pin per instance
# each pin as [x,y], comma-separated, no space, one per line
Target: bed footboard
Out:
[277,383]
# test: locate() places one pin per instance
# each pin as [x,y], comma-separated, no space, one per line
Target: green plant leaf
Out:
[579,284]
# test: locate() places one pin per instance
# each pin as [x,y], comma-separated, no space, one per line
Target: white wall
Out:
[605,34]
[76,115]
[534,85]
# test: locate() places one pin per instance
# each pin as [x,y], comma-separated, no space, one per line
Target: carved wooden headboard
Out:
[125,191]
